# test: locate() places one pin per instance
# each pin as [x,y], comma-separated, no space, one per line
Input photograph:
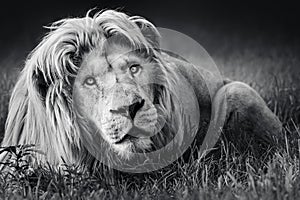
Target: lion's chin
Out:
[128,149]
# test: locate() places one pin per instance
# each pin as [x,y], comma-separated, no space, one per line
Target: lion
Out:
[100,88]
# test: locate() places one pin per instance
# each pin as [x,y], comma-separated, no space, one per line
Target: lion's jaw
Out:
[107,104]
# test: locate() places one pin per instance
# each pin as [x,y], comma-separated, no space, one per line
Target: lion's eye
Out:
[135,68]
[90,81]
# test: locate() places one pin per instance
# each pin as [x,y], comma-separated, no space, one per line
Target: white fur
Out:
[50,122]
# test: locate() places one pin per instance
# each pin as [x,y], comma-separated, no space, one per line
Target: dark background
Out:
[22,22]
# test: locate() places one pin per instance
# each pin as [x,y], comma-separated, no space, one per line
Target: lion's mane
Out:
[41,110]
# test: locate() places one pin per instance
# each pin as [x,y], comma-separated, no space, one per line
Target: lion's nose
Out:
[134,108]
[130,110]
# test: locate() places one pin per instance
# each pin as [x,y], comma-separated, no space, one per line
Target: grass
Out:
[271,68]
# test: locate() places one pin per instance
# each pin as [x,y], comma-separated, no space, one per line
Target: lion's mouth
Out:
[125,138]
[133,134]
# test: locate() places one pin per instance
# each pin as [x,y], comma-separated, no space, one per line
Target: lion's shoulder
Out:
[204,82]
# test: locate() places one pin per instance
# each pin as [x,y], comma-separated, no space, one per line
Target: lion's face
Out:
[114,92]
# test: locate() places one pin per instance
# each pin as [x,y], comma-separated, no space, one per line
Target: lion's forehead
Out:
[100,60]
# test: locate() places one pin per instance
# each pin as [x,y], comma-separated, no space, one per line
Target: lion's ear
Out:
[149,31]
[152,35]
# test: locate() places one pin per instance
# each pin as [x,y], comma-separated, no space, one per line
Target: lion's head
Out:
[115,90]
[100,87]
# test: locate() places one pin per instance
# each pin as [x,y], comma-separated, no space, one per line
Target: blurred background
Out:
[253,41]
[209,22]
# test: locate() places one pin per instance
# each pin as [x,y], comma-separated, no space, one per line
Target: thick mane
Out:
[41,110]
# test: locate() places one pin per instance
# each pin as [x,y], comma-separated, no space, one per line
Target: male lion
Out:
[100,88]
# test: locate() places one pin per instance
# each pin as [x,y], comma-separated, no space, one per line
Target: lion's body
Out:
[249,123]
[79,104]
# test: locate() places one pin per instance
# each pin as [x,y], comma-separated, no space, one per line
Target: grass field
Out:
[269,65]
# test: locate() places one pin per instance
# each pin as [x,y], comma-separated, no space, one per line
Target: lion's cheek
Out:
[147,121]
[86,103]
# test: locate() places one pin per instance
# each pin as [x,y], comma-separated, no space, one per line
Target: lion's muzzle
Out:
[131,120]
[129,111]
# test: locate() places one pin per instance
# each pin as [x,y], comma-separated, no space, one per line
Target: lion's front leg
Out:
[249,124]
